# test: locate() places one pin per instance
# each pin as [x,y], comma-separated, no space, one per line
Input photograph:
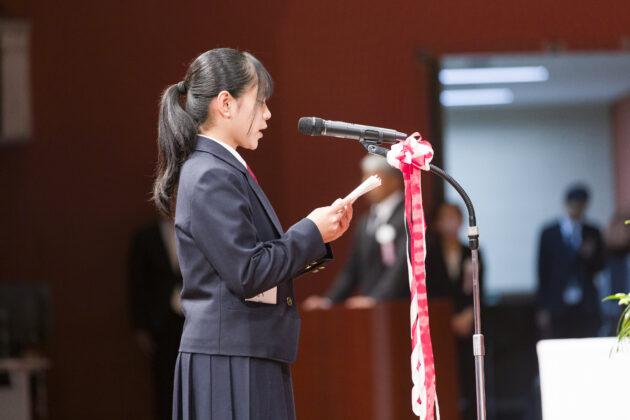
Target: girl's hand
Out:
[332,221]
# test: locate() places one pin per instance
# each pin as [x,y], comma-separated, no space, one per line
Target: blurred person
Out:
[617,242]
[377,266]
[450,275]
[155,283]
[242,325]
[571,253]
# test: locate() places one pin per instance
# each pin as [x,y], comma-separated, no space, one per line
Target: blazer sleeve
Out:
[222,226]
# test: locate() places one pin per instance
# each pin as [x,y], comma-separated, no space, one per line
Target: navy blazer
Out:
[558,264]
[231,247]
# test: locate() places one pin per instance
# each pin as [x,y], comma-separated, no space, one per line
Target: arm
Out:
[316,265]
[592,251]
[544,262]
[223,228]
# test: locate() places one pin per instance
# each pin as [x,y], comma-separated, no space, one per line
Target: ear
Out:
[223,104]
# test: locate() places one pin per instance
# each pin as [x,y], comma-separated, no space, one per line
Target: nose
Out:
[266,113]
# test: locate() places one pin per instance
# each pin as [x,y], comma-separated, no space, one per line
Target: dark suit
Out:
[231,247]
[152,282]
[365,269]
[441,285]
[559,265]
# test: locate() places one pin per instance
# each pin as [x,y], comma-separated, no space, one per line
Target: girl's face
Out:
[249,119]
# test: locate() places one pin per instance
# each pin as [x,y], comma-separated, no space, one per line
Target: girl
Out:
[238,265]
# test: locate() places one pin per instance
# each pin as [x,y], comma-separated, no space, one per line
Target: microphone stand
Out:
[372,146]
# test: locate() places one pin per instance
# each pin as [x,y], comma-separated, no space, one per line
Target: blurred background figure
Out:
[377,267]
[617,278]
[571,253]
[156,284]
[449,275]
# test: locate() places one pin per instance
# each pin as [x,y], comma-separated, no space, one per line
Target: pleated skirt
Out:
[211,387]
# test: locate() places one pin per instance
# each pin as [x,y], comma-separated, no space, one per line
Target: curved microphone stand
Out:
[473,241]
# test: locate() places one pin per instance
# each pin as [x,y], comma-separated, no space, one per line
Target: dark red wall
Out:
[73,195]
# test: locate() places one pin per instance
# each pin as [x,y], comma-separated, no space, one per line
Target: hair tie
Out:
[181,87]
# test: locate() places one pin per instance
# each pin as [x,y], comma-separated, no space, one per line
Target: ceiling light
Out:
[474,76]
[472,97]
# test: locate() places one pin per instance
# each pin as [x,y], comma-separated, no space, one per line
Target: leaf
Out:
[624,298]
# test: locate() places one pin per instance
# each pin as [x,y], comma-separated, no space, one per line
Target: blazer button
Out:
[289,301]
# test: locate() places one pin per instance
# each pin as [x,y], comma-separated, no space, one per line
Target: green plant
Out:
[623,326]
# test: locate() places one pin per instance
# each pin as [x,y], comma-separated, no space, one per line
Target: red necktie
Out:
[252,173]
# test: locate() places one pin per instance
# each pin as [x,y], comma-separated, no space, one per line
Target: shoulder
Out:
[550,228]
[200,164]
[591,229]
[204,170]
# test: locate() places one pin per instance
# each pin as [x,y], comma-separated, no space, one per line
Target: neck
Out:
[219,134]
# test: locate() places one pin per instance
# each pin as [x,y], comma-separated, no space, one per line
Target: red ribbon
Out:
[409,156]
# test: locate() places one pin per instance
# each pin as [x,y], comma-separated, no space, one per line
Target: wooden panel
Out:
[355,363]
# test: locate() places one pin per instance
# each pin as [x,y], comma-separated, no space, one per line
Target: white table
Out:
[582,379]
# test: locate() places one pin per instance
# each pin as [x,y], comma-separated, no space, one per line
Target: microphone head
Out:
[311,126]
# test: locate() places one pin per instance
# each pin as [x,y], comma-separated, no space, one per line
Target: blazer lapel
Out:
[210,146]
[265,203]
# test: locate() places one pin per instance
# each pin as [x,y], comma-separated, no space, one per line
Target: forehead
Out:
[251,90]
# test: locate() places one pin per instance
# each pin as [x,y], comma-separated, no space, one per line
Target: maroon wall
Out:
[73,195]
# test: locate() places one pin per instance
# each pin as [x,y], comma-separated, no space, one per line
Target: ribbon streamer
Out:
[410,156]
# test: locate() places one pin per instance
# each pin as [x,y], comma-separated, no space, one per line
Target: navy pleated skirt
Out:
[210,387]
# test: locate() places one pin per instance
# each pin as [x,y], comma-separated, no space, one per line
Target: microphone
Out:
[313,126]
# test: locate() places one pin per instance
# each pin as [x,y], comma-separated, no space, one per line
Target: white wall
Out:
[515,164]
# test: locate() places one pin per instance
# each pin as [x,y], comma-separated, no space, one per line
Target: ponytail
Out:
[211,73]
[176,139]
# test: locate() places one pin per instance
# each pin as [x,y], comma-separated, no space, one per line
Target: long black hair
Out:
[211,73]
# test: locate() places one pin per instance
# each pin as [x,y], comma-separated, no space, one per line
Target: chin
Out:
[252,146]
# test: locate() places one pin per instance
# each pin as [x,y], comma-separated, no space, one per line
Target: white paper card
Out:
[270,296]
[365,187]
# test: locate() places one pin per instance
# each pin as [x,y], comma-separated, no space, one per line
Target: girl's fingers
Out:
[337,205]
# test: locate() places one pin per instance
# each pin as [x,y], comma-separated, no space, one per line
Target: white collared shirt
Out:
[571,231]
[384,210]
[229,149]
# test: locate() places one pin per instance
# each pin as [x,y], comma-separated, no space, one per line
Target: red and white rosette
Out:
[410,156]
